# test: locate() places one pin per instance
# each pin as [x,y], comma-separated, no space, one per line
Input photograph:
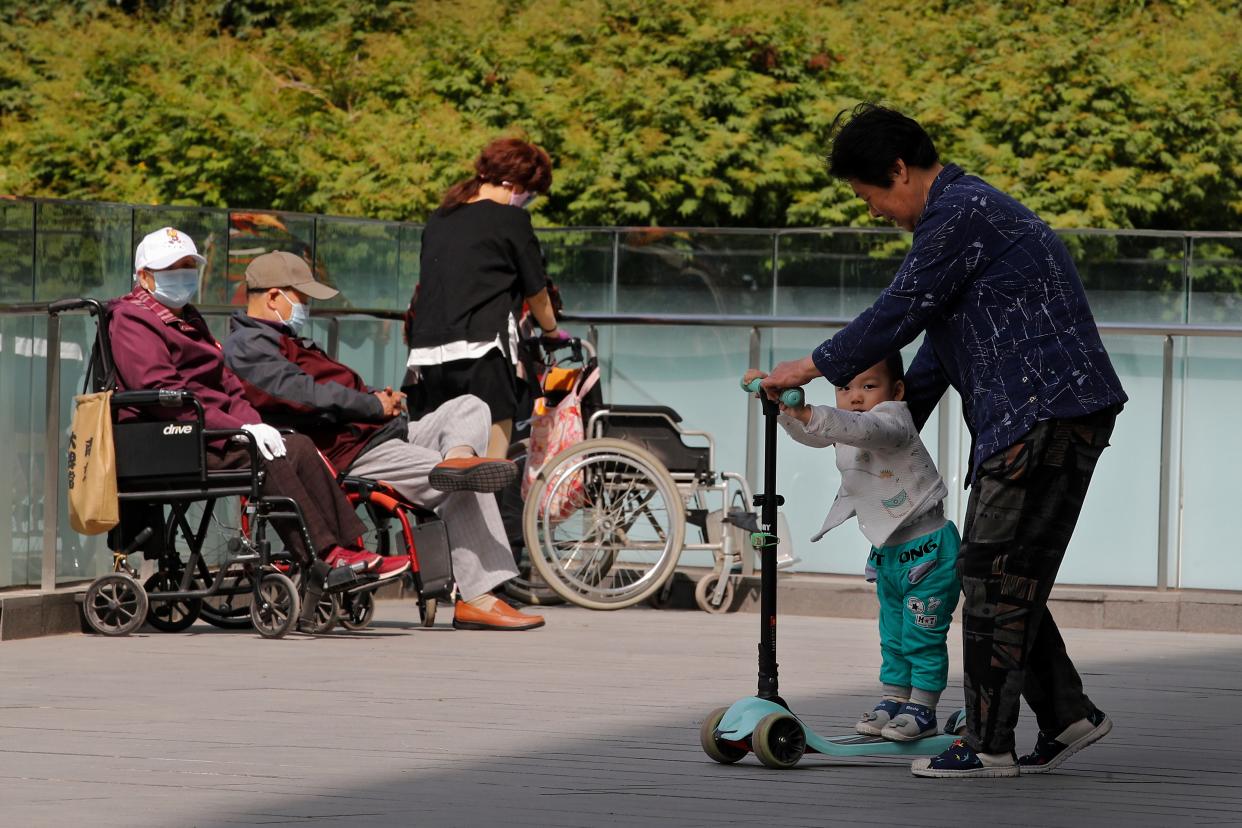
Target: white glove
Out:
[267,440]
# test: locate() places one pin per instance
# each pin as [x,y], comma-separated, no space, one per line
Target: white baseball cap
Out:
[164,247]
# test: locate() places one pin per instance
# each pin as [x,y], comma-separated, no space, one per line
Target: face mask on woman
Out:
[298,316]
[519,199]
[174,288]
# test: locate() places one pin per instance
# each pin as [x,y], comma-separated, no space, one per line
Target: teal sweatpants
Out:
[918,588]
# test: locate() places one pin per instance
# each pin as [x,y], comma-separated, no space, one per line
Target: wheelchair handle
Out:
[65,305]
[790,397]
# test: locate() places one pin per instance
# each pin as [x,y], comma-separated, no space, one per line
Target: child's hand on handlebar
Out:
[801,413]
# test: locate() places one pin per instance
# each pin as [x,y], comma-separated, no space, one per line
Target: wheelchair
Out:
[163,463]
[635,488]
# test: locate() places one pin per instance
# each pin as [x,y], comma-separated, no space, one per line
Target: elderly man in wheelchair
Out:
[431,464]
[159,342]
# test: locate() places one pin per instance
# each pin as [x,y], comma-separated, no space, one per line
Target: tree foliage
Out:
[676,112]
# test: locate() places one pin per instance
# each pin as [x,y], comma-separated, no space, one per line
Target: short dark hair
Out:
[869,143]
[896,367]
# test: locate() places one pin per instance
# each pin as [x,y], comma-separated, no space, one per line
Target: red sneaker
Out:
[354,559]
[392,566]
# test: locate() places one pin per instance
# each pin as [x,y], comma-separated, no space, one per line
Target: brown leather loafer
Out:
[472,474]
[500,617]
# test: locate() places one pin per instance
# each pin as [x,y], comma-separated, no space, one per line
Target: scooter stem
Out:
[768,502]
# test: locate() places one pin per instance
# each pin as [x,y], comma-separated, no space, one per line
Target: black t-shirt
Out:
[478,263]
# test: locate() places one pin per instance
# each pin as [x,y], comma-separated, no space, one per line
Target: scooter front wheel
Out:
[778,741]
[722,752]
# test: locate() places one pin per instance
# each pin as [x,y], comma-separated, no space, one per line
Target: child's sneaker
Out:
[913,721]
[1049,752]
[874,721]
[960,761]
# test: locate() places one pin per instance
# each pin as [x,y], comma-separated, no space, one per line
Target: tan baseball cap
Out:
[279,269]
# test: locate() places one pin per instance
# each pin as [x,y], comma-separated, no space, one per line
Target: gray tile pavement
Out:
[591,721]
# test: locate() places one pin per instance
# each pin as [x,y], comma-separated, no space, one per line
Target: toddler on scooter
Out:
[889,481]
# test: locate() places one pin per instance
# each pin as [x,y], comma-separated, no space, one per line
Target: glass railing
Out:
[678,314]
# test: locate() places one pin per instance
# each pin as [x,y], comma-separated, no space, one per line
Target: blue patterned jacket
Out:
[1005,313]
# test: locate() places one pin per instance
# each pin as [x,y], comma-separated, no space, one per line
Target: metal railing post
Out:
[752,418]
[51,458]
[1166,465]
[943,456]
[334,336]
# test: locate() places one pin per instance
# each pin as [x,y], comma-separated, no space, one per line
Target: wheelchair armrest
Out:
[65,305]
[163,397]
[247,440]
[171,397]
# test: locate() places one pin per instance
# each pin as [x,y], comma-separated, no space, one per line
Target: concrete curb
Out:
[30,613]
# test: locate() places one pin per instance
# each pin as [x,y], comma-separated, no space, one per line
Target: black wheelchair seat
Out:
[653,427]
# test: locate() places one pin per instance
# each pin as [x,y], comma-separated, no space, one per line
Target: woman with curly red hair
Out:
[480,262]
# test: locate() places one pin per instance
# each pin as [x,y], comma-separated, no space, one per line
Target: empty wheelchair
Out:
[606,521]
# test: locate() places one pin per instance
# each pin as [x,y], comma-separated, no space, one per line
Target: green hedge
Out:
[672,112]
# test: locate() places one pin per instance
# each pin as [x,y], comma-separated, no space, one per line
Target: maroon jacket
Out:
[152,348]
[294,383]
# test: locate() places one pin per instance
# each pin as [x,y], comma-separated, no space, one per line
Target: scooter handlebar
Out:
[790,397]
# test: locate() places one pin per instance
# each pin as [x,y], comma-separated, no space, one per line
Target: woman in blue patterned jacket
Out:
[1007,324]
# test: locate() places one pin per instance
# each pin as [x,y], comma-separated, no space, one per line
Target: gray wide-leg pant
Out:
[482,558]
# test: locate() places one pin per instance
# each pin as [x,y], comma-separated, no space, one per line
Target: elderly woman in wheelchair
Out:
[152,340]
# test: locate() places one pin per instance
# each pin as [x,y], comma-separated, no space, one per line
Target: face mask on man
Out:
[298,316]
[175,288]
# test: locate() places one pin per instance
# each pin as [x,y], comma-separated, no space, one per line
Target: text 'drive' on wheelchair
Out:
[635,490]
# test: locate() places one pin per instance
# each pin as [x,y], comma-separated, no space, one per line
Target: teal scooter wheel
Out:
[778,741]
[722,752]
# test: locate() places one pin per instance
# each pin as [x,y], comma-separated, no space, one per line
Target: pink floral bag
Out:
[553,431]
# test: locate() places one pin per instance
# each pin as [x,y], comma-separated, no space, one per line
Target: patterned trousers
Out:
[1023,507]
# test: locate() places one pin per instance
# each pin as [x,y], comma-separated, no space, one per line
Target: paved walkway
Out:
[591,721]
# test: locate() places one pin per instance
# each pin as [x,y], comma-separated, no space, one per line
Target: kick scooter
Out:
[763,723]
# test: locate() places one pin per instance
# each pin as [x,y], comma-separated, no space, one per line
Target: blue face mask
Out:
[298,317]
[175,288]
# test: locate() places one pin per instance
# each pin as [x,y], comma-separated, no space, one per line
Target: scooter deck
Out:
[740,720]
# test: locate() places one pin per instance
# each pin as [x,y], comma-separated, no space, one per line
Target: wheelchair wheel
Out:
[275,609]
[229,612]
[529,587]
[115,604]
[170,616]
[358,610]
[621,527]
[705,590]
[427,612]
[327,614]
